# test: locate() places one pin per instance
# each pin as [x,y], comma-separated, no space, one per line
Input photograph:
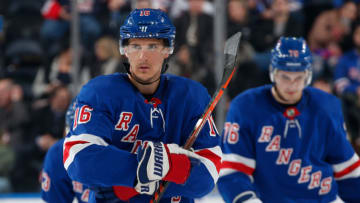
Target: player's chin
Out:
[145,79]
[292,99]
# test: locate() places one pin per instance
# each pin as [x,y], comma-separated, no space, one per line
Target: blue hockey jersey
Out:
[347,73]
[113,119]
[287,153]
[56,186]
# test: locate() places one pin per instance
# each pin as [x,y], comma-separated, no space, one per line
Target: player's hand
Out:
[159,161]
[148,188]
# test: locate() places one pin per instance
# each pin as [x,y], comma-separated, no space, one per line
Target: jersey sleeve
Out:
[342,82]
[205,169]
[238,164]
[89,156]
[56,185]
[341,155]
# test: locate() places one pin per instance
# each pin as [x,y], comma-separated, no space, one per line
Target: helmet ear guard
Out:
[121,47]
[272,73]
[309,78]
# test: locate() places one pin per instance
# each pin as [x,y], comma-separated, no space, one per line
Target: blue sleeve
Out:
[341,76]
[89,155]
[337,136]
[204,174]
[349,190]
[206,171]
[56,185]
[239,159]
[345,162]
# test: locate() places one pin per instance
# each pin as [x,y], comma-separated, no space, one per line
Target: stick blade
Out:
[230,52]
[232,44]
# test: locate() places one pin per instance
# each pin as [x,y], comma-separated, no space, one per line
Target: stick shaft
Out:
[230,51]
[194,134]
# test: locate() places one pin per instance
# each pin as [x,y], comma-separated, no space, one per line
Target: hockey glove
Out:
[159,161]
[125,193]
[148,188]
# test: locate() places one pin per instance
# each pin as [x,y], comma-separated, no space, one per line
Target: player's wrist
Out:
[159,161]
[124,193]
[180,166]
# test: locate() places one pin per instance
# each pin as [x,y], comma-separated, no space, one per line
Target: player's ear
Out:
[166,52]
[126,52]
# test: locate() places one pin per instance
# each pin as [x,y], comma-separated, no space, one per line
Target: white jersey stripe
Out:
[91,139]
[353,174]
[251,163]
[340,167]
[227,171]
[209,164]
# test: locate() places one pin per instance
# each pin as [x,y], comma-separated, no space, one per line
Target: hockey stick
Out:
[230,52]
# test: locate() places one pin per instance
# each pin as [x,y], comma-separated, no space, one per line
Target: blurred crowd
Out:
[37,77]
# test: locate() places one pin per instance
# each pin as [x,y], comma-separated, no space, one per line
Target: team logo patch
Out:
[291,113]
[45,184]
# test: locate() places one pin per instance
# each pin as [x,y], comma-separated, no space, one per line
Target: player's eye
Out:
[135,47]
[285,78]
[153,47]
[300,78]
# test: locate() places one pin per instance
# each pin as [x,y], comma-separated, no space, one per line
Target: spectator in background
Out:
[239,19]
[248,74]
[266,31]
[143,4]
[108,59]
[15,138]
[57,14]
[56,186]
[351,15]
[329,29]
[13,114]
[164,5]
[47,126]
[13,119]
[347,86]
[194,50]
[182,65]
[49,120]
[61,72]
[194,28]
[325,84]
[7,158]
[118,10]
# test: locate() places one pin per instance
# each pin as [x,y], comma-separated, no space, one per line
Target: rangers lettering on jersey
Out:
[124,120]
[284,156]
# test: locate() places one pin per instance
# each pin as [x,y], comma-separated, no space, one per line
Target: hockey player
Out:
[56,186]
[286,142]
[128,128]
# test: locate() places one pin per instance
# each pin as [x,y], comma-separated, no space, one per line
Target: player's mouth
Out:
[144,68]
[291,93]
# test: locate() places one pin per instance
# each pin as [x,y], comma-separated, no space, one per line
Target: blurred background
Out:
[50,48]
